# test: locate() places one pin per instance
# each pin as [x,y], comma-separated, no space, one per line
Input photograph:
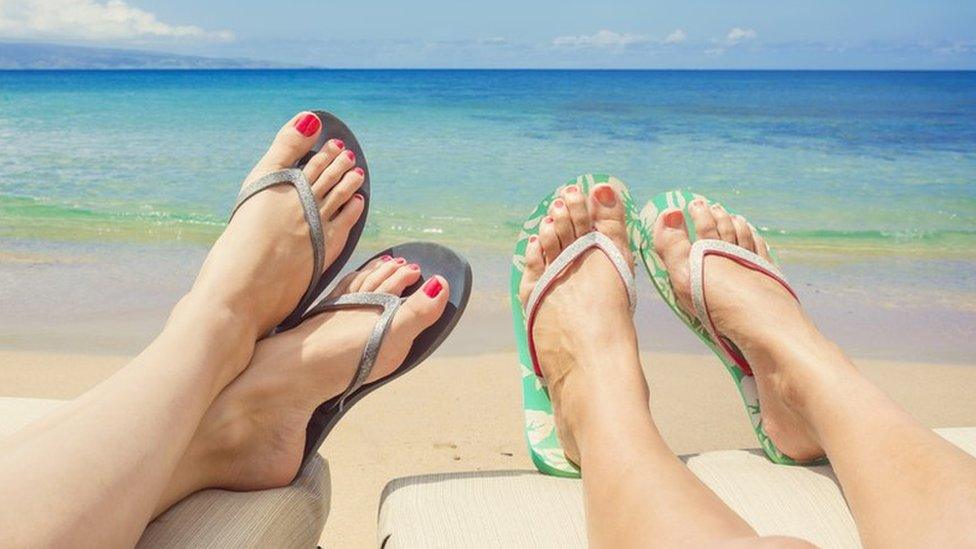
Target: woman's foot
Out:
[261,265]
[583,331]
[751,309]
[253,435]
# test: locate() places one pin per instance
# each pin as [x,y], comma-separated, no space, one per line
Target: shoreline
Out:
[463,413]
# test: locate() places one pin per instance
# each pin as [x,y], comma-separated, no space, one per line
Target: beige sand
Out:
[462,413]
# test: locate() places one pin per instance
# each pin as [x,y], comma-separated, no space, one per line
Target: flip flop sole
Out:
[659,277]
[433,259]
[540,426]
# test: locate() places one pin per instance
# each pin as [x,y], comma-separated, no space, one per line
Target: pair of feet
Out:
[253,435]
[583,329]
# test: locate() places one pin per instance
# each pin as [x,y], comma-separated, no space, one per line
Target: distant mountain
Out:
[24,55]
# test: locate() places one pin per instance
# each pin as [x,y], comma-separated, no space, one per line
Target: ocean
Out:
[866,181]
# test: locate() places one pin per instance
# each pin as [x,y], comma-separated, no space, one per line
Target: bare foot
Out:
[584,320]
[253,435]
[261,265]
[751,309]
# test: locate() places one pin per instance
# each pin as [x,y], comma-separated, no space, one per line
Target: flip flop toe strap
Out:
[310,207]
[570,254]
[390,304]
[706,247]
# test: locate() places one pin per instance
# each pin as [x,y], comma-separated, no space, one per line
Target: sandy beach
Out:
[461,412]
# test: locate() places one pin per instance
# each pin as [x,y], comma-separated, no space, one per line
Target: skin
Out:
[136,428]
[636,491]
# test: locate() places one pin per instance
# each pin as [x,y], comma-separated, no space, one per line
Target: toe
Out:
[321,160]
[400,279]
[334,172]
[349,214]
[293,141]
[743,233]
[762,248]
[562,222]
[576,205]
[535,265]
[350,182]
[423,307]
[548,239]
[379,275]
[607,213]
[723,224]
[672,244]
[701,216]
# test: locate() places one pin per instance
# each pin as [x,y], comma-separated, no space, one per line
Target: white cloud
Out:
[676,37]
[601,39]
[112,20]
[739,34]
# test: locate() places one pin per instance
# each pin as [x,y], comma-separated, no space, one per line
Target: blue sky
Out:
[895,34]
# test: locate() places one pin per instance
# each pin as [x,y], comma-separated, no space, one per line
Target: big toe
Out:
[673,246]
[608,215]
[418,312]
[293,141]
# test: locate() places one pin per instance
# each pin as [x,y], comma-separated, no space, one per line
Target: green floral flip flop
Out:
[724,349]
[540,426]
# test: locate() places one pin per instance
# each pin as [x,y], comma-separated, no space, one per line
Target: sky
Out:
[694,34]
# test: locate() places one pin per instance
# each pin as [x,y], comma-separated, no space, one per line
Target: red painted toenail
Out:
[308,125]
[400,261]
[358,170]
[386,258]
[413,267]
[432,287]
[358,196]
[571,189]
[548,219]
[533,238]
[674,219]
[605,195]
[339,144]
[350,155]
[558,203]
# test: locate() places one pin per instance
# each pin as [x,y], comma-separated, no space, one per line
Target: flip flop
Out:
[432,258]
[724,349]
[540,426]
[332,128]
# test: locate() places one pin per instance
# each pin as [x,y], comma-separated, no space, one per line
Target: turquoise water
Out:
[883,160]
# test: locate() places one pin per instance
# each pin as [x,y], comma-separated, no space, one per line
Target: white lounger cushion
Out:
[285,517]
[526,509]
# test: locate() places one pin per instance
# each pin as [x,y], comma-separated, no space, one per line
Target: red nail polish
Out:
[308,125]
[605,196]
[533,238]
[413,267]
[571,189]
[674,219]
[558,203]
[432,287]
[339,144]
[351,155]
[548,219]
[358,196]
[400,261]
[358,170]
[386,258]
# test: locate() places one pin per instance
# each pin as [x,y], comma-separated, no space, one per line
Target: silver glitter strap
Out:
[389,303]
[696,263]
[310,207]
[569,254]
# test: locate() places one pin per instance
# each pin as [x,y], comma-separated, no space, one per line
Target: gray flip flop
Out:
[433,259]
[333,128]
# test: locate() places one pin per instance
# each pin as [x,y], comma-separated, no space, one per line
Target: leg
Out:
[905,484]
[92,472]
[253,435]
[637,492]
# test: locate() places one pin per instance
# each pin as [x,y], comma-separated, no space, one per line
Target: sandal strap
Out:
[696,263]
[389,303]
[310,207]
[570,254]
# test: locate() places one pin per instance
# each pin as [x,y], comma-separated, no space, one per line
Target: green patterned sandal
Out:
[724,349]
[540,426]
